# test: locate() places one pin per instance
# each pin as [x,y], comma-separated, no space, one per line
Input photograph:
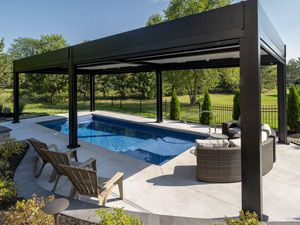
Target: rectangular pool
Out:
[150,144]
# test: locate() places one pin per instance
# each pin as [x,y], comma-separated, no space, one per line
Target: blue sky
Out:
[79,20]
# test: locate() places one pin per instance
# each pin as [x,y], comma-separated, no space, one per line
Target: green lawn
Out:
[148,107]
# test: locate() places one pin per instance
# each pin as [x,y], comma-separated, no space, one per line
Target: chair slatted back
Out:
[56,159]
[85,181]
[38,146]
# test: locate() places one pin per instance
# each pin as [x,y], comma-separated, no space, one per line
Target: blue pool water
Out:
[151,144]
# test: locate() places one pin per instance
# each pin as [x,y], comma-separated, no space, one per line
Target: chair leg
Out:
[120,185]
[41,169]
[56,182]
[53,176]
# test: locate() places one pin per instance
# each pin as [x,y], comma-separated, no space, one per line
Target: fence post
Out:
[199,110]
[140,105]
[112,103]
[120,103]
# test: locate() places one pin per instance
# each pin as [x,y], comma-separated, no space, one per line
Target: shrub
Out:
[9,151]
[11,148]
[174,107]
[236,105]
[245,219]
[28,212]
[117,217]
[21,107]
[8,192]
[293,108]
[206,106]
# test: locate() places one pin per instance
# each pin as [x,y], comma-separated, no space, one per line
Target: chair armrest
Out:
[112,181]
[91,162]
[73,154]
[53,146]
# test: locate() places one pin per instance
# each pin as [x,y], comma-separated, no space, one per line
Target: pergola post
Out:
[159,101]
[250,101]
[16,97]
[282,108]
[73,137]
[92,92]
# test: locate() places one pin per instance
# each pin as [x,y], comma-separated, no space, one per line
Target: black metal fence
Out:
[189,113]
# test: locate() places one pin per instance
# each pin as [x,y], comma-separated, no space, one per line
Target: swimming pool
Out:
[150,144]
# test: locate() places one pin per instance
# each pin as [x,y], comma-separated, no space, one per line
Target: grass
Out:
[147,108]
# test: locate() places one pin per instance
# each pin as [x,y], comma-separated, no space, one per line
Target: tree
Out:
[24,47]
[293,71]
[196,81]
[269,77]
[293,108]
[5,67]
[180,8]
[236,105]
[228,80]
[121,83]
[104,84]
[83,86]
[144,84]
[40,84]
[174,107]
[206,106]
[156,18]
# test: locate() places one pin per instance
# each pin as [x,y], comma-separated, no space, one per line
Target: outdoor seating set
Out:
[82,175]
[219,160]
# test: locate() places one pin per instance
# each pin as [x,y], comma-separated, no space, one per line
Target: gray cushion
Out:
[237,142]
[223,143]
[234,130]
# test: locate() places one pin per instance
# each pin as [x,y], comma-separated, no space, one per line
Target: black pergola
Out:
[239,35]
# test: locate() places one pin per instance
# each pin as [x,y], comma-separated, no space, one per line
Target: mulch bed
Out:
[294,138]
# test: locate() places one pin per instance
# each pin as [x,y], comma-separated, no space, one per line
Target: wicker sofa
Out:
[227,126]
[223,165]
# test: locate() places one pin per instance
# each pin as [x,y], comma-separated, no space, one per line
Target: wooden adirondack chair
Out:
[57,159]
[38,145]
[86,182]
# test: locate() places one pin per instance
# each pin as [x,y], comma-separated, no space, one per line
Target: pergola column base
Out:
[73,146]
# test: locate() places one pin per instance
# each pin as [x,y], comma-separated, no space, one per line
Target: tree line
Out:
[194,83]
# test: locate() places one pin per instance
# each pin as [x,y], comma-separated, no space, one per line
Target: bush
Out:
[9,152]
[293,108]
[28,212]
[11,148]
[116,217]
[174,107]
[245,219]
[21,107]
[236,105]
[8,193]
[206,106]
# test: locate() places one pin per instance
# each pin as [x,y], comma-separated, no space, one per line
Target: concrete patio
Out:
[172,189]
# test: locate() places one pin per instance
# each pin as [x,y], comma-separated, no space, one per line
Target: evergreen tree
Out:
[206,106]
[174,107]
[293,108]
[236,105]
